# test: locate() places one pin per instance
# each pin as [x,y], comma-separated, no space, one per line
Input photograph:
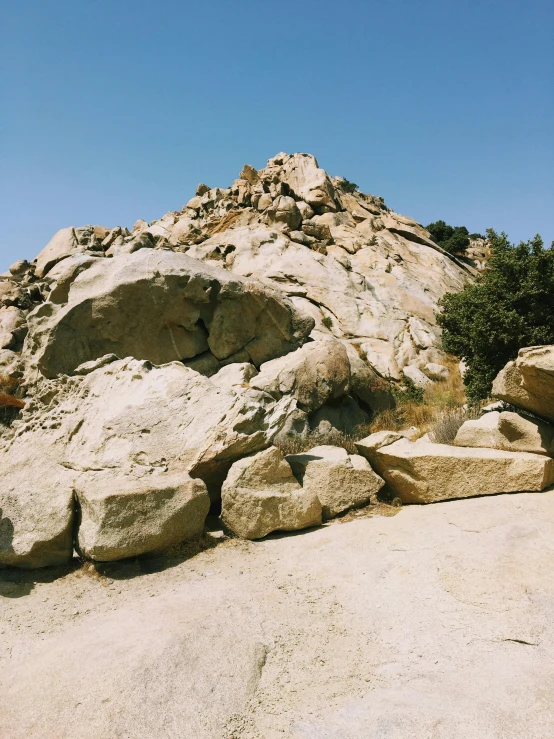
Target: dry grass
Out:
[442,402]
[440,412]
[297,444]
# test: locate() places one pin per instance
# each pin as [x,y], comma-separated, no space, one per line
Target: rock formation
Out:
[159,365]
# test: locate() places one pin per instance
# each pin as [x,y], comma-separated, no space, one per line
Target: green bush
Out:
[347,186]
[453,239]
[510,306]
[408,392]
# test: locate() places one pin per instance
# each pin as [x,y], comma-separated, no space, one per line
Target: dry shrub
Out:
[440,411]
[446,427]
[441,403]
[298,444]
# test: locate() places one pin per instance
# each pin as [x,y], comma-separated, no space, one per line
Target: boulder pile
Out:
[161,368]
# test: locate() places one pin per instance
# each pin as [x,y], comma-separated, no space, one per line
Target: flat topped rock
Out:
[423,472]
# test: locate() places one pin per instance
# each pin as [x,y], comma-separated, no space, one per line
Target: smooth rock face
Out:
[317,372]
[417,376]
[528,382]
[509,431]
[435,623]
[426,473]
[261,495]
[162,306]
[122,517]
[340,480]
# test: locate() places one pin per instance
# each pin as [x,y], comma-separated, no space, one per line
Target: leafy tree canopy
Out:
[510,306]
[453,239]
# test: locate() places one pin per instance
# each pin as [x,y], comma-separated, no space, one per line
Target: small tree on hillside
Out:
[510,306]
[453,239]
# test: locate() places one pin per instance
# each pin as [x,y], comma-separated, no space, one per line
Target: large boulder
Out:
[528,382]
[340,480]
[161,306]
[366,384]
[62,245]
[423,472]
[314,374]
[124,517]
[344,416]
[65,243]
[36,503]
[509,431]
[261,495]
[308,181]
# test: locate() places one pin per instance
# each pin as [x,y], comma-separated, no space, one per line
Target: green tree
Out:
[453,239]
[510,306]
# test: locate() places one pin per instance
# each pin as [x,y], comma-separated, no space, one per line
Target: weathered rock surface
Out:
[36,504]
[124,517]
[340,480]
[374,274]
[426,472]
[125,425]
[161,306]
[528,382]
[314,374]
[437,622]
[509,431]
[261,495]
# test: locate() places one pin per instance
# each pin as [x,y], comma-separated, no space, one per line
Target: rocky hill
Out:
[159,370]
[364,273]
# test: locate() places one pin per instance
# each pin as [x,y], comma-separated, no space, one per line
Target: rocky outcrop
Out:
[366,275]
[124,439]
[528,382]
[156,360]
[508,431]
[162,307]
[261,495]
[425,472]
[340,480]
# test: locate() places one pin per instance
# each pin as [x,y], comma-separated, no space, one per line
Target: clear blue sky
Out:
[114,110]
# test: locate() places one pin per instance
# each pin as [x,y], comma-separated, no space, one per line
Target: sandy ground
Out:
[434,623]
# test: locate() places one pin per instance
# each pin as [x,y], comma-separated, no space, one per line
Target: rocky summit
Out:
[175,394]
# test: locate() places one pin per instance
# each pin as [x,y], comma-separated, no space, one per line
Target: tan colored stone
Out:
[509,431]
[162,306]
[426,473]
[124,517]
[528,382]
[340,480]
[261,495]
[317,372]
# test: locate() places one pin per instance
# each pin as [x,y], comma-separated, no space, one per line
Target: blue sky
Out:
[114,110]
